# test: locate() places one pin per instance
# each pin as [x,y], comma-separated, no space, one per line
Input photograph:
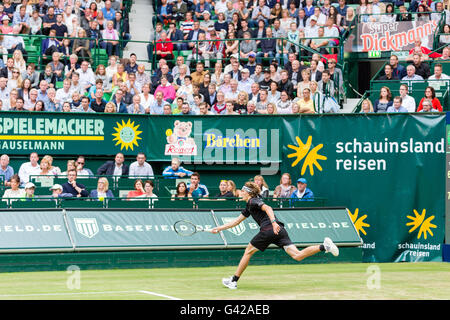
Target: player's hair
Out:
[253,188]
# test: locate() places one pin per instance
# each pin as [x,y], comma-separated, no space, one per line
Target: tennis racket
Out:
[186,228]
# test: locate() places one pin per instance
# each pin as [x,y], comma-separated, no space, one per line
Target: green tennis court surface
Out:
[308,281]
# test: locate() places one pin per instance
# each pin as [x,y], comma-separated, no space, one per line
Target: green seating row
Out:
[148,204]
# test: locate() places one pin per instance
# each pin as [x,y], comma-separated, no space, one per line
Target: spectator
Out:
[81,47]
[15,193]
[430,94]
[285,84]
[181,192]
[83,172]
[397,106]
[326,86]
[384,101]
[84,106]
[116,167]
[273,95]
[138,189]
[87,77]
[223,191]
[57,192]
[306,104]
[407,101]
[30,188]
[411,74]
[102,190]
[366,106]
[111,37]
[388,73]
[427,106]
[30,168]
[136,107]
[73,187]
[398,70]
[422,68]
[303,193]
[285,188]
[98,104]
[6,171]
[140,168]
[196,189]
[438,75]
[259,180]
[148,192]
[175,170]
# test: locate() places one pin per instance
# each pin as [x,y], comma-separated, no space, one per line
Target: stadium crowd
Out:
[266,72]
[20,186]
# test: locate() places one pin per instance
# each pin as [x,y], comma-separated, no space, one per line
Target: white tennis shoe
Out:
[330,246]
[227,282]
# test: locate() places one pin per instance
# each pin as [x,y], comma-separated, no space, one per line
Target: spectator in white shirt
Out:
[407,101]
[140,168]
[438,75]
[29,168]
[87,76]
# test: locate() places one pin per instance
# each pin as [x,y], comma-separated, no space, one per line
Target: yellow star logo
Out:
[359,223]
[419,221]
[302,151]
[127,134]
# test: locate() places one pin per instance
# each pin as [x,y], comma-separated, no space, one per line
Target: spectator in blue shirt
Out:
[195,188]
[302,193]
[6,170]
[175,171]
[108,12]
[397,106]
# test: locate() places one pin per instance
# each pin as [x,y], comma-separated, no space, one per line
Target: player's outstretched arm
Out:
[229,225]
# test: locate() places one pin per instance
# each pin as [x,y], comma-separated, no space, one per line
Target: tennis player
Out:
[271,231]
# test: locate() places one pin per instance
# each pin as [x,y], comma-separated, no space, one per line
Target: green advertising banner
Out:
[126,229]
[215,140]
[28,231]
[386,168]
[59,133]
[305,227]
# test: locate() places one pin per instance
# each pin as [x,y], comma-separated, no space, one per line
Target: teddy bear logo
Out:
[179,140]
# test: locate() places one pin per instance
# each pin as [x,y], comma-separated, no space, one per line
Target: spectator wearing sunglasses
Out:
[83,172]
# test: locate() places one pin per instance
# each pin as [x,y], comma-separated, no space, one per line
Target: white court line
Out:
[159,295]
[62,293]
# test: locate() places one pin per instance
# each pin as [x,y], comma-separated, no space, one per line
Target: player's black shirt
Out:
[253,209]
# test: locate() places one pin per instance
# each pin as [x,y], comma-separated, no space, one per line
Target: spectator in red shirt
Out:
[164,48]
[424,50]
[430,94]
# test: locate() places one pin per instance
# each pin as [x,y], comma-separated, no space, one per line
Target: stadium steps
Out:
[140,19]
[349,105]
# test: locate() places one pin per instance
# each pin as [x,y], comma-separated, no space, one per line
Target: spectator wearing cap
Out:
[251,64]
[245,84]
[30,188]
[265,83]
[206,23]
[201,7]
[303,193]
[268,47]
[57,192]
[5,27]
